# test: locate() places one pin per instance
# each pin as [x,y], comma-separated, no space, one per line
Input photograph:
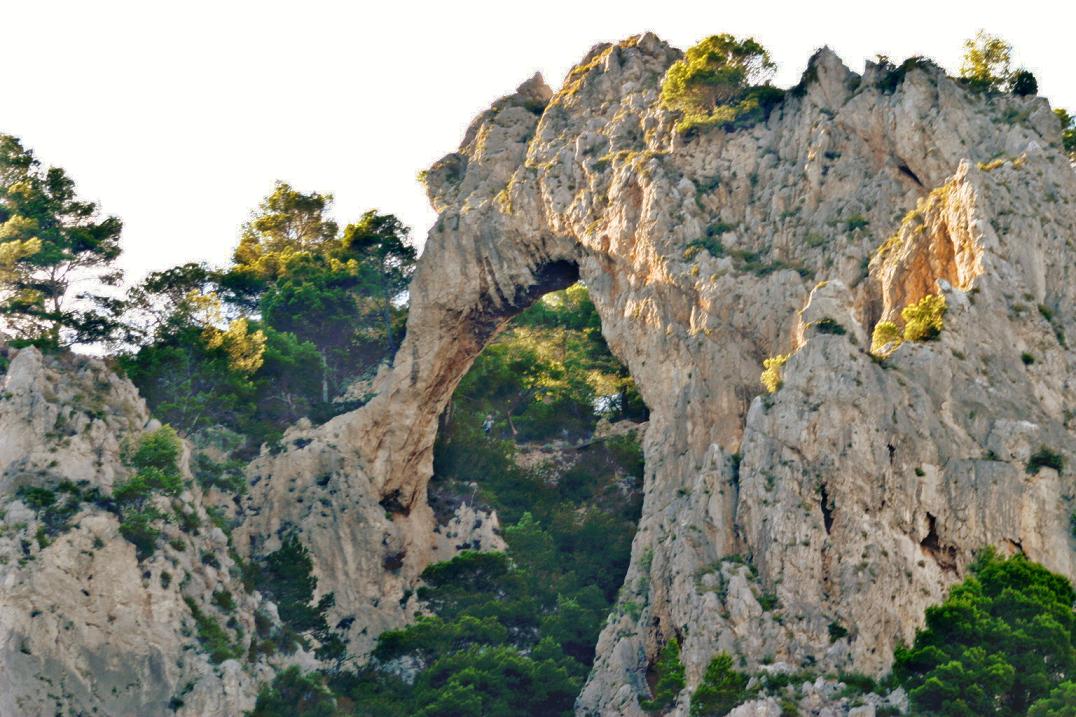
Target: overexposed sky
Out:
[178,116]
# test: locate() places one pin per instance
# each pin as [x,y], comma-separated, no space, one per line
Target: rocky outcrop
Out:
[808,528]
[859,490]
[85,626]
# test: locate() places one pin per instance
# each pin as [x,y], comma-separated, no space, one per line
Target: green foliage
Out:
[721,689]
[670,678]
[335,290]
[471,680]
[885,333]
[711,244]
[158,451]
[293,694]
[37,498]
[1061,702]
[1003,639]
[144,484]
[431,636]
[285,576]
[856,222]
[380,241]
[140,527]
[213,638]
[55,507]
[923,319]
[49,242]
[1045,458]
[892,76]
[1068,131]
[986,62]
[312,309]
[190,385]
[156,460]
[1022,84]
[986,67]
[771,374]
[452,587]
[495,681]
[223,599]
[721,82]
[287,222]
[226,475]
[551,375]
[829,326]
[856,683]
[836,631]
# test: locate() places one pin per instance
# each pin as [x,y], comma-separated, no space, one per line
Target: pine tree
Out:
[50,241]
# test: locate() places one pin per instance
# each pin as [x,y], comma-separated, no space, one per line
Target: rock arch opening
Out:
[539,451]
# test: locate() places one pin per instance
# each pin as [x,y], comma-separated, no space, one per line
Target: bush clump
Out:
[1068,131]
[1061,702]
[286,576]
[1023,83]
[293,693]
[671,678]
[212,636]
[721,81]
[886,333]
[771,374]
[156,462]
[1045,458]
[55,507]
[159,450]
[923,319]
[829,326]
[721,689]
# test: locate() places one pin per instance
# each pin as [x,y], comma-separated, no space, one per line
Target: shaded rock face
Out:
[861,489]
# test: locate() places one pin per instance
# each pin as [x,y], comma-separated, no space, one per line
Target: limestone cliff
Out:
[85,626]
[861,488]
[856,493]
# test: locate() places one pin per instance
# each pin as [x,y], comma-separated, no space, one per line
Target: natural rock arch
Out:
[594,183]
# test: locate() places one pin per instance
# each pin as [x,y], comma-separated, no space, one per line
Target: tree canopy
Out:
[57,255]
[303,310]
[987,66]
[1003,639]
[723,80]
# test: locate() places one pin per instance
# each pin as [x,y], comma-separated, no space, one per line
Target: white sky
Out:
[178,116]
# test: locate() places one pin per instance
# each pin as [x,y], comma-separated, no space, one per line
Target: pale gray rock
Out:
[85,627]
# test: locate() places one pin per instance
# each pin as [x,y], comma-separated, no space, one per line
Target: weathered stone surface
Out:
[598,185]
[85,627]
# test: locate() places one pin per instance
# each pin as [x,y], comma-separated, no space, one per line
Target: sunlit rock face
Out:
[858,491]
[845,502]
